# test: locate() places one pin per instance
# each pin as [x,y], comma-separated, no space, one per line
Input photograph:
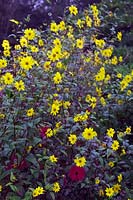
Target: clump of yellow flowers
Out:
[60,96]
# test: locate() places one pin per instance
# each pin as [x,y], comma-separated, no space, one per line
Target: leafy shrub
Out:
[59,135]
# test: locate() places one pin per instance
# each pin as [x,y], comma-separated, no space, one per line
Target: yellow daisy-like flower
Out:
[19,85]
[111,164]
[30,112]
[3,63]
[73,10]
[6,44]
[54,27]
[117,188]
[109,192]
[115,145]
[110,132]
[89,133]
[27,62]
[56,187]
[97,181]
[72,138]
[53,159]
[55,109]
[57,78]
[23,42]
[38,191]
[8,78]
[47,65]
[128,130]
[80,162]
[29,33]
[80,43]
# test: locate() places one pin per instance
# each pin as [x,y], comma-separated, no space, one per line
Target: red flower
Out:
[77,173]
[43,131]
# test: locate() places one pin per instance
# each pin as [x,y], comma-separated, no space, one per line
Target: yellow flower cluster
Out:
[38,191]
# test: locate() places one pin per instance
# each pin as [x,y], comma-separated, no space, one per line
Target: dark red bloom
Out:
[77,173]
[43,131]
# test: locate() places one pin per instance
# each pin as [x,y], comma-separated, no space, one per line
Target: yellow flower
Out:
[23,42]
[17,47]
[0,188]
[97,181]
[99,43]
[53,159]
[72,138]
[66,104]
[34,49]
[119,75]
[111,164]
[49,132]
[59,65]
[27,62]
[100,75]
[109,192]
[88,21]
[3,63]
[6,53]
[57,42]
[54,27]
[56,187]
[80,23]
[107,52]
[62,26]
[129,92]
[38,191]
[120,58]
[47,66]
[8,78]
[102,100]
[110,132]
[6,45]
[116,188]
[40,43]
[55,109]
[119,36]
[114,60]
[123,152]
[119,177]
[2,116]
[115,145]
[128,130]
[73,10]
[19,85]
[28,149]
[80,43]
[57,78]
[30,112]
[29,33]
[89,133]
[80,162]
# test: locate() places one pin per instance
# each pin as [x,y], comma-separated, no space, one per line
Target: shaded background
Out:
[40,11]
